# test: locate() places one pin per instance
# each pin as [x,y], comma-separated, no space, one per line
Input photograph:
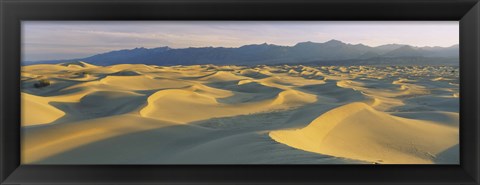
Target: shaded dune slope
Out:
[357,131]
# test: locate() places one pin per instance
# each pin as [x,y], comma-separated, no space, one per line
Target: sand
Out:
[358,131]
[207,114]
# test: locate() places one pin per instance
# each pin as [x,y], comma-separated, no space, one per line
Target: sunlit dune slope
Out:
[358,131]
[37,110]
[44,142]
[168,104]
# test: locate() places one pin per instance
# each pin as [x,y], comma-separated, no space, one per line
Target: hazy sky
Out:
[46,40]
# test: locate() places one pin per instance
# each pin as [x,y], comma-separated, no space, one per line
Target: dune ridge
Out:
[207,106]
[358,131]
[209,114]
[34,105]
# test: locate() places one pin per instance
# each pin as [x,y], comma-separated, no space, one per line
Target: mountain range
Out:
[333,52]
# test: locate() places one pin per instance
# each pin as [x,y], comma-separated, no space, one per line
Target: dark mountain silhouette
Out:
[333,52]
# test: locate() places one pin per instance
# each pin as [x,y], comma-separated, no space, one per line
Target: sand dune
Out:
[34,106]
[43,142]
[208,114]
[221,76]
[141,82]
[77,64]
[168,104]
[357,131]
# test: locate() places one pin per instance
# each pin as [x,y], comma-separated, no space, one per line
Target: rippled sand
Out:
[206,114]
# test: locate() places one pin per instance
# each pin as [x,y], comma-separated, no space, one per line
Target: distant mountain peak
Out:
[405,51]
[455,46]
[262,53]
[263,45]
[360,44]
[305,43]
[392,45]
[334,41]
[163,48]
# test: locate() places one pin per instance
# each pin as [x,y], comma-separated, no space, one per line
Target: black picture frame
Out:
[12,12]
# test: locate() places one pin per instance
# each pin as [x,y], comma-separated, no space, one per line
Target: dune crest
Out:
[168,104]
[358,131]
[38,110]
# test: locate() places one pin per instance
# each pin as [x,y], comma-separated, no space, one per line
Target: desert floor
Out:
[206,114]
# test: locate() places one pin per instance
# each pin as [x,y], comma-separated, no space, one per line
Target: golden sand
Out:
[207,114]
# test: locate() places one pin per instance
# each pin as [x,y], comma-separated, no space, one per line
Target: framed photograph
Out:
[239,92]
